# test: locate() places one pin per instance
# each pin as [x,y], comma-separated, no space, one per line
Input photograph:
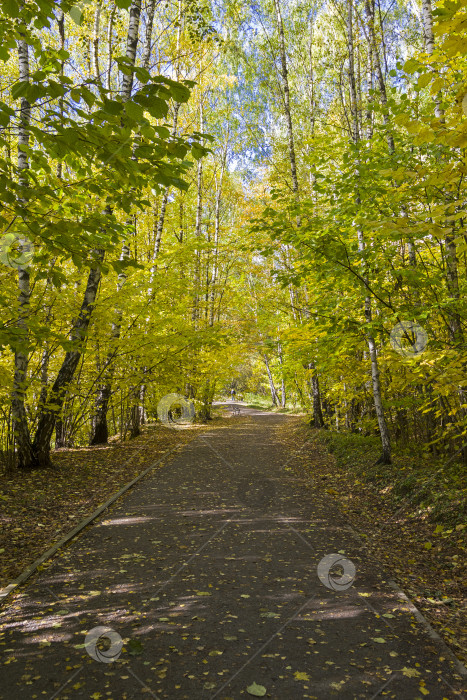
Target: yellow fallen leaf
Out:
[301,676]
[258,691]
[410,672]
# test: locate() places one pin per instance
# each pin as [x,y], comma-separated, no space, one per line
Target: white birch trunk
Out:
[148,37]
[99,428]
[286,92]
[20,422]
[375,375]
[110,47]
[199,210]
[274,395]
[131,46]
[95,44]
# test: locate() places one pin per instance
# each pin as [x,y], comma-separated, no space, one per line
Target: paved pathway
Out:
[208,572]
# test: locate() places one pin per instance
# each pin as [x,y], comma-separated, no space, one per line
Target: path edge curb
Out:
[5,592]
[419,616]
[461,669]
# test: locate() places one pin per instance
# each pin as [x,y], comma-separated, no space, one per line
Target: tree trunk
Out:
[283,392]
[110,47]
[148,38]
[373,52]
[142,403]
[44,374]
[215,268]
[20,422]
[286,95]
[135,413]
[131,44]
[95,45]
[60,433]
[49,413]
[318,420]
[162,213]
[199,209]
[99,427]
[61,32]
[274,395]
[376,384]
[205,411]
[146,54]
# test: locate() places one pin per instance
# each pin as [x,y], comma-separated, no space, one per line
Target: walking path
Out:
[214,571]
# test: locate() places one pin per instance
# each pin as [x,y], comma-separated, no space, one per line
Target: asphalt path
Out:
[222,574]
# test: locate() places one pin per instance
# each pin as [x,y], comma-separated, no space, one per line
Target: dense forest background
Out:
[199,195]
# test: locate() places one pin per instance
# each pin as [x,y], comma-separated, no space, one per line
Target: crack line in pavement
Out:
[191,557]
[263,647]
[367,603]
[143,685]
[65,684]
[296,453]
[217,453]
[385,685]
[282,518]
[51,591]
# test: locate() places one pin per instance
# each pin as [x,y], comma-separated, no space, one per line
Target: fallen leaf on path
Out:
[410,672]
[301,676]
[258,691]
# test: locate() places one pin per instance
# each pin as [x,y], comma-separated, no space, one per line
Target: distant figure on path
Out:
[232,394]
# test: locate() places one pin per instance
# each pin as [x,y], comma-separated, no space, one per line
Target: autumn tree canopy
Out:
[202,195]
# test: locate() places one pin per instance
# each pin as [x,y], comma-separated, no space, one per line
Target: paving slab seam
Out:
[30,570]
